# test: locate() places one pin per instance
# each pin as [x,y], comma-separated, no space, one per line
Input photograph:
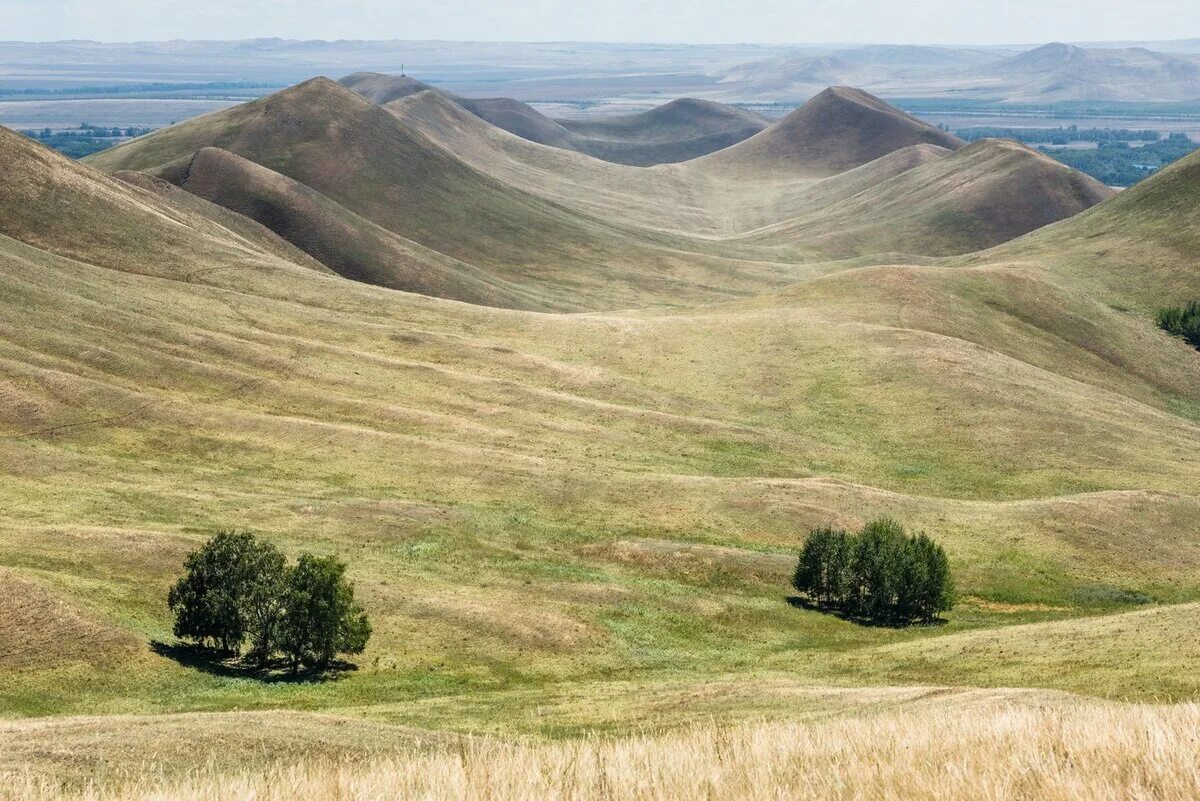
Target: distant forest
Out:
[1114,161]
[86,139]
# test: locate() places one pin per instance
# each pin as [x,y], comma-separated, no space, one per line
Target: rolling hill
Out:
[1050,73]
[1059,72]
[1006,191]
[580,512]
[364,159]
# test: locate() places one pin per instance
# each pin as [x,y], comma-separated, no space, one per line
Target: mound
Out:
[351,246]
[380,88]
[980,196]
[837,130]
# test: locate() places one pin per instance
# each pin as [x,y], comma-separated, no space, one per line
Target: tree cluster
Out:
[880,574]
[1182,321]
[238,588]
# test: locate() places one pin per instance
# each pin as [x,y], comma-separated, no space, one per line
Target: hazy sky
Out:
[892,21]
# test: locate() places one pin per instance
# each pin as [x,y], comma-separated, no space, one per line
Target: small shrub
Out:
[1108,595]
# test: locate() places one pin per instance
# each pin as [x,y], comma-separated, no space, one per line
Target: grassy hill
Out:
[568,521]
[676,131]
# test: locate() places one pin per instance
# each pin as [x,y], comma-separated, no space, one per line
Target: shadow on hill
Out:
[800,602]
[217,663]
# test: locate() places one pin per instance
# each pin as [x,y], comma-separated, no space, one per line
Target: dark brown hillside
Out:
[335,236]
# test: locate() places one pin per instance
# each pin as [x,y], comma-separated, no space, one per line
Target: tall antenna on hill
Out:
[402,71]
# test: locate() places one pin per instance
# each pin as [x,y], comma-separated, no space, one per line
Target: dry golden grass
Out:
[1000,751]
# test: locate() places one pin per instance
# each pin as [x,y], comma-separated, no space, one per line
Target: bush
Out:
[237,587]
[1182,321]
[880,574]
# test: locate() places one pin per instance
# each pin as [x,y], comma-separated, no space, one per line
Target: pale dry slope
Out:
[1016,749]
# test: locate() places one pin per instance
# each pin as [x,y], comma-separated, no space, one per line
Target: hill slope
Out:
[56,205]
[837,130]
[980,196]
[626,490]
[1144,238]
[348,244]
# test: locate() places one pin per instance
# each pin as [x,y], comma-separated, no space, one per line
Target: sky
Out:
[699,21]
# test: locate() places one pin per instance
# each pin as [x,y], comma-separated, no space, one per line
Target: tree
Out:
[224,593]
[936,593]
[321,618]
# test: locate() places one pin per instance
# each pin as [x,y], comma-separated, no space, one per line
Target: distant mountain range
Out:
[1051,73]
[598,72]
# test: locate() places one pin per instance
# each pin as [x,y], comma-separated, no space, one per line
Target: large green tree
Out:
[321,618]
[226,592]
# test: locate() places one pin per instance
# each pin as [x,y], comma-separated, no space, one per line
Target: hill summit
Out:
[839,129]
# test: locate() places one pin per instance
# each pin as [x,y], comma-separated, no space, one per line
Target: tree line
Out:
[237,588]
[879,574]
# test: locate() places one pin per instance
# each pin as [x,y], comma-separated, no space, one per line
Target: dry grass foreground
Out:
[1046,752]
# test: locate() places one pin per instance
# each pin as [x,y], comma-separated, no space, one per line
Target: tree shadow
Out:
[800,602]
[218,663]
